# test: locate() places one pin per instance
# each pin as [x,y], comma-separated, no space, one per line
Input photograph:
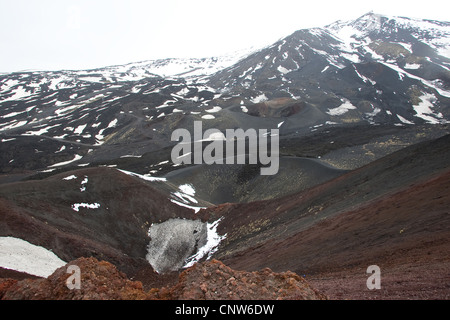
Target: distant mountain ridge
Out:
[372,70]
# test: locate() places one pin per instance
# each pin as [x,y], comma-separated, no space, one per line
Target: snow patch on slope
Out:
[20,255]
[145,177]
[76,207]
[425,110]
[185,197]
[211,246]
[342,109]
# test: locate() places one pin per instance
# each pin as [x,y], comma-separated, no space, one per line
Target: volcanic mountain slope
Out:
[373,70]
[393,213]
[99,212]
[80,149]
[243,183]
[305,161]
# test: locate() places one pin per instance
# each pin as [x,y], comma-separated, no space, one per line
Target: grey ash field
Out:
[362,108]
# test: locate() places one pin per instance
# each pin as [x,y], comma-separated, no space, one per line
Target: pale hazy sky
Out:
[82,34]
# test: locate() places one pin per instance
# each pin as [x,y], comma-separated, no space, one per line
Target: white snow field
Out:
[20,255]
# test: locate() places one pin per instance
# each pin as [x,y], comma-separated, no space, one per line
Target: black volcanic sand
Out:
[244,183]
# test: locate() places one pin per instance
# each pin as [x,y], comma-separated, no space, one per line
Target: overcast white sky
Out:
[82,34]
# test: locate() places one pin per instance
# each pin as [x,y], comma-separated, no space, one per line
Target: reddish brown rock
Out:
[211,280]
[100,280]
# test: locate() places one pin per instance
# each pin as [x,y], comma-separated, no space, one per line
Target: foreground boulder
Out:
[99,280]
[211,280]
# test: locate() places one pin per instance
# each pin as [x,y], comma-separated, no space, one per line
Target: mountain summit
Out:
[373,70]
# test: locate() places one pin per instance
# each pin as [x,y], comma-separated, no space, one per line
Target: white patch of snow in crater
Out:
[83,184]
[424,109]
[185,197]
[407,46]
[211,246]
[40,131]
[7,140]
[20,255]
[364,78]
[80,129]
[342,109]
[283,70]
[404,120]
[130,156]
[71,177]
[214,110]
[19,94]
[325,69]
[61,149]
[13,125]
[12,114]
[76,207]
[412,66]
[112,124]
[428,83]
[145,177]
[186,194]
[351,57]
[187,189]
[76,158]
[260,98]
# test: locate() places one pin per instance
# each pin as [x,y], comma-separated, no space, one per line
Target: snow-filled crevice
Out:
[179,243]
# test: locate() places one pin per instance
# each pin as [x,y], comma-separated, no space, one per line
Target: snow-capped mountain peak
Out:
[185,67]
[367,23]
[373,70]
[434,33]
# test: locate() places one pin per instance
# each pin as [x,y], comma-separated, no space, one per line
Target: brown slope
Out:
[396,207]
[41,212]
[404,231]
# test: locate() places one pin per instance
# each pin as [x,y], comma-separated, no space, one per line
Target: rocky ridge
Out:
[211,280]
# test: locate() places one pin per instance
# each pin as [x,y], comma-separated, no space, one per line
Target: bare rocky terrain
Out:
[362,113]
[100,280]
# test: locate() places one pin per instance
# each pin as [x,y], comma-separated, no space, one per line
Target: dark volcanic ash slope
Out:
[243,183]
[99,212]
[373,70]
